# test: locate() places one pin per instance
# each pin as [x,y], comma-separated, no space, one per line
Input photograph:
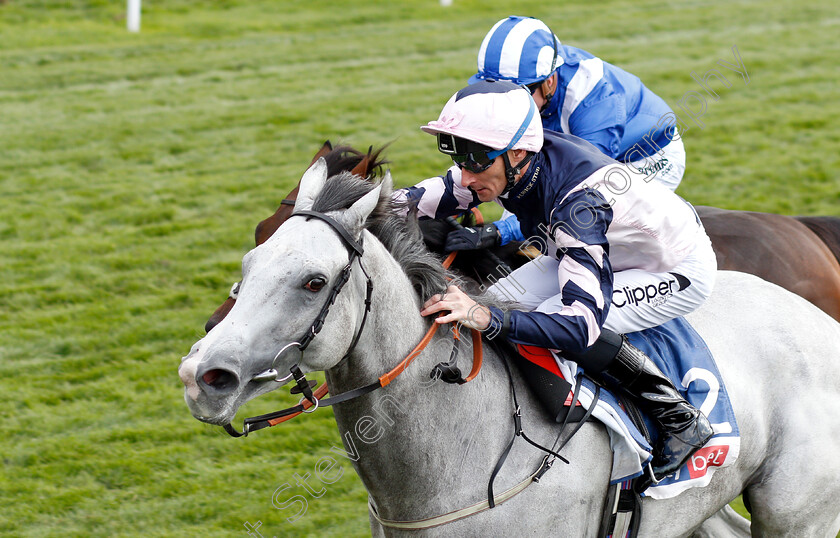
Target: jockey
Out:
[582,95]
[620,254]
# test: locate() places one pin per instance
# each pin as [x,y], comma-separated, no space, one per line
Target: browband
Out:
[352,243]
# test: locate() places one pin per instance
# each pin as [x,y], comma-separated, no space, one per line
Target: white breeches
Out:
[640,300]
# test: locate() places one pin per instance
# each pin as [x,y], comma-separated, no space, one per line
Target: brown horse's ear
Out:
[362,169]
[326,148]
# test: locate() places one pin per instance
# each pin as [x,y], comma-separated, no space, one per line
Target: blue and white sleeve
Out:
[509,229]
[600,121]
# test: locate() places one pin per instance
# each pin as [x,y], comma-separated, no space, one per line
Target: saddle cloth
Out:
[683,356]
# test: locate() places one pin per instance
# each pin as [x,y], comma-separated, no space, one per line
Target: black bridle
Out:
[304,386]
[356,251]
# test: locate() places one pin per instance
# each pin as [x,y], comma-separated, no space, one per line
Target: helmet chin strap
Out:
[547,81]
[512,171]
[546,96]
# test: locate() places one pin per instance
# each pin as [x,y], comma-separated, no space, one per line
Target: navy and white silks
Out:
[619,251]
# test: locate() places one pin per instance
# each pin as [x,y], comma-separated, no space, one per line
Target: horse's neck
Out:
[416,427]
[394,325]
[413,442]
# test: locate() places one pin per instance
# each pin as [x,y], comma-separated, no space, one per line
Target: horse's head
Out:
[286,283]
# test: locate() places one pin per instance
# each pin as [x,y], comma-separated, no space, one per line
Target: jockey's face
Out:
[488,185]
[491,183]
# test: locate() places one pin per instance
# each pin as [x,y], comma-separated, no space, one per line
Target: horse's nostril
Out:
[219,379]
[211,376]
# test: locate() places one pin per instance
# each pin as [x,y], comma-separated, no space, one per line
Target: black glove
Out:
[472,238]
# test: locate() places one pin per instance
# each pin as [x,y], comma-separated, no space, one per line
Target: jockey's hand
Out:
[461,309]
[472,238]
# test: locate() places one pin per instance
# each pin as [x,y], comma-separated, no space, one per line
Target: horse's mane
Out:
[400,235]
[346,158]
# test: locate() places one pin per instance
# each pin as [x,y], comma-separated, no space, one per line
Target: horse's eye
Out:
[316,284]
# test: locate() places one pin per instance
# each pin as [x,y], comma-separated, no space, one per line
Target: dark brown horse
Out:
[799,254]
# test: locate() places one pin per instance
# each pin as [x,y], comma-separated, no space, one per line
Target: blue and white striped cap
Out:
[520,49]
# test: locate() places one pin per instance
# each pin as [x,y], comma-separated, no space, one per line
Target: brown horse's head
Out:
[339,159]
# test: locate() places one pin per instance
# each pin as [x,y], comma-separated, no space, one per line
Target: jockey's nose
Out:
[467,178]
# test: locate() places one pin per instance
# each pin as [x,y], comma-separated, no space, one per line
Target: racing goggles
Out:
[466,154]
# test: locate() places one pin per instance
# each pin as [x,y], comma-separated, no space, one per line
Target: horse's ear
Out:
[387,185]
[363,168]
[326,148]
[354,218]
[311,184]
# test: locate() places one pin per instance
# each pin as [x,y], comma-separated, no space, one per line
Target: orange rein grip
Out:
[386,378]
[449,259]
[479,218]
[478,355]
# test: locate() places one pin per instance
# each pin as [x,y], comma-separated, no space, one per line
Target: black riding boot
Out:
[683,428]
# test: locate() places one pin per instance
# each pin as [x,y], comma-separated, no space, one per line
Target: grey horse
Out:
[428,447]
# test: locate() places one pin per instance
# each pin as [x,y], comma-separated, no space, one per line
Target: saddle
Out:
[684,357]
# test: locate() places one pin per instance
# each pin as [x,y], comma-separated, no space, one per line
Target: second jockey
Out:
[578,94]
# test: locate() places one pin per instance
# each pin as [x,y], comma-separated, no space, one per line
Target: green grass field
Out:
[133,168]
